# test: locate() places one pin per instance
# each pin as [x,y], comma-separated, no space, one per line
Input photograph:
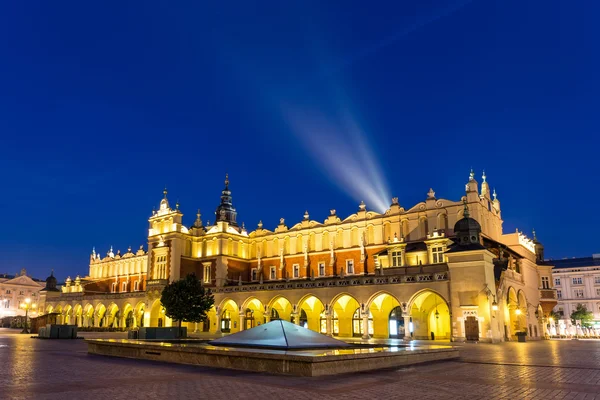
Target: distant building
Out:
[577,281]
[440,268]
[14,289]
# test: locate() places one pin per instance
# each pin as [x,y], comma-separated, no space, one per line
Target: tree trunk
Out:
[179,324]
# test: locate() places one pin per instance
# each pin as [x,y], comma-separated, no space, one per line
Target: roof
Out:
[574,262]
[280,334]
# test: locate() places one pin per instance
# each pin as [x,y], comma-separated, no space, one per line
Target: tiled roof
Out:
[574,262]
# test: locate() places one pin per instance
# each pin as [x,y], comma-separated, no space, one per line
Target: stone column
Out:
[242,315]
[267,318]
[195,327]
[365,323]
[296,318]
[218,322]
[328,327]
[407,327]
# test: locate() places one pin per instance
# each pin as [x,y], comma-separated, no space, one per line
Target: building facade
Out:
[14,289]
[577,281]
[439,269]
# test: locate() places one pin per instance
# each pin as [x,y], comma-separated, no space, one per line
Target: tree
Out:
[581,313]
[186,300]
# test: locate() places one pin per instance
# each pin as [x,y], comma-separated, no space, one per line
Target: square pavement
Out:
[62,369]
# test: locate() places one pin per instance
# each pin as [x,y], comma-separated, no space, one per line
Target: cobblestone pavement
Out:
[45,369]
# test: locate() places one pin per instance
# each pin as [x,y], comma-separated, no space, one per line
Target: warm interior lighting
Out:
[28,300]
[551,320]
[518,312]
[495,306]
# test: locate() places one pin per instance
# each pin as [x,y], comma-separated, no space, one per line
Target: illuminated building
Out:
[577,281]
[440,268]
[14,289]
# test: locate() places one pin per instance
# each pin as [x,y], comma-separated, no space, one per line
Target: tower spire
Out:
[165,192]
[226,181]
[466,212]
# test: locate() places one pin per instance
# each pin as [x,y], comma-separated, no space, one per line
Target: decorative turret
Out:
[485,188]
[472,189]
[467,231]
[164,203]
[539,248]
[198,222]
[226,212]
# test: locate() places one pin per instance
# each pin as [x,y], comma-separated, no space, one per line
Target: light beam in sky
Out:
[339,145]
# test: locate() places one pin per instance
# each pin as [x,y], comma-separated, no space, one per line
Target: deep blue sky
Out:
[104,103]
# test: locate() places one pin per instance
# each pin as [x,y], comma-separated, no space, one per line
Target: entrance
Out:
[396,322]
[472,328]
[226,322]
[249,319]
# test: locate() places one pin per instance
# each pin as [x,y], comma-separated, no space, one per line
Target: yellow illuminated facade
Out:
[440,269]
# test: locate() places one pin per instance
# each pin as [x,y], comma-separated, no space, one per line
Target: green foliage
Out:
[186,300]
[581,313]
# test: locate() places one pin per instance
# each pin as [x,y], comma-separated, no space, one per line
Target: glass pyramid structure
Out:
[281,335]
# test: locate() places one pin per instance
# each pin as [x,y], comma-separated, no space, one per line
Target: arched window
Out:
[226,321]
[303,319]
[249,319]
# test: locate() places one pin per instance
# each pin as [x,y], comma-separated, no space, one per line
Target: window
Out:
[296,271]
[321,269]
[559,294]
[396,259]
[7,291]
[438,254]
[545,282]
[556,281]
[350,266]
[33,294]
[578,293]
[6,303]
[254,274]
[273,273]
[136,286]
[124,287]
[114,287]
[207,273]
[21,293]
[597,280]
[561,311]
[161,267]
[577,281]
[597,292]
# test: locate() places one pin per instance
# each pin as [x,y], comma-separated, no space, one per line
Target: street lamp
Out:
[518,311]
[494,305]
[27,305]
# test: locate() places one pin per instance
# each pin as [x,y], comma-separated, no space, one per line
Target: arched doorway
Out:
[253,313]
[381,308]
[112,316]
[430,316]
[312,314]
[128,317]
[157,316]
[396,323]
[99,320]
[344,307]
[88,316]
[280,308]
[229,317]
[68,313]
[138,314]
[78,313]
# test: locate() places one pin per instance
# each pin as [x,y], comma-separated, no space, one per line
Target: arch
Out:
[99,315]
[430,315]
[138,313]
[157,314]
[88,315]
[299,244]
[253,312]
[387,231]
[370,234]
[312,241]
[423,226]
[112,316]
[229,314]
[127,316]
[344,305]
[442,221]
[49,309]
[357,323]
[380,306]
[325,241]
[311,313]
[354,237]
[280,308]
[78,315]
[68,315]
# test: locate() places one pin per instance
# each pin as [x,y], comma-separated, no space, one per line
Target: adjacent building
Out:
[577,281]
[438,269]
[14,289]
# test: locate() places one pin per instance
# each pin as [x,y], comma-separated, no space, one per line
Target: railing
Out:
[99,295]
[548,294]
[157,282]
[440,275]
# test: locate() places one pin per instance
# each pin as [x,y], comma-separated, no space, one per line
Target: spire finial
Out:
[226,180]
[471,175]
[52,272]
[534,236]
[177,205]
[483,176]
[165,192]
[466,213]
[198,214]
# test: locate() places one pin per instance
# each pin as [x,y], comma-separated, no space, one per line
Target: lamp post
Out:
[27,305]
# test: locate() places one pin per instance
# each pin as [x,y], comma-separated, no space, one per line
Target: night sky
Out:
[308,105]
